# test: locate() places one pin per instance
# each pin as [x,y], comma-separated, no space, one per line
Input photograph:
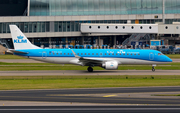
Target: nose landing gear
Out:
[90,69]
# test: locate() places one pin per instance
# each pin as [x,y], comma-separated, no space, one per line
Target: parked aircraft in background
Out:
[106,58]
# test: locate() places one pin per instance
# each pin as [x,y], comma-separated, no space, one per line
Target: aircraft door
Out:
[151,56]
[44,55]
[101,54]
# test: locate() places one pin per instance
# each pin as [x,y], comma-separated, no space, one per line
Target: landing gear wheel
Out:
[90,69]
[153,69]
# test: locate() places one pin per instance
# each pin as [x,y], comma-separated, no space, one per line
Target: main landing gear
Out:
[153,69]
[90,69]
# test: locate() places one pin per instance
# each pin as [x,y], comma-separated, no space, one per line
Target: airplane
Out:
[108,59]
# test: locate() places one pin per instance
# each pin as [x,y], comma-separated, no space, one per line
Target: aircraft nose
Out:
[168,59]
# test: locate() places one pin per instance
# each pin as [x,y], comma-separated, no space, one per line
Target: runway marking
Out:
[120,99]
[109,95]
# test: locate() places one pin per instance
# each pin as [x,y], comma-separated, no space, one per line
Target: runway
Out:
[116,96]
[101,100]
[82,72]
[92,109]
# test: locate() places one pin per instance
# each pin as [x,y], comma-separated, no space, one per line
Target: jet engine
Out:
[111,65]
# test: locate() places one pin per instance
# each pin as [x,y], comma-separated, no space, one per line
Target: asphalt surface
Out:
[92,109]
[99,95]
[115,104]
[82,72]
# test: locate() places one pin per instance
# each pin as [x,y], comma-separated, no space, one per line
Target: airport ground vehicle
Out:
[168,49]
[177,51]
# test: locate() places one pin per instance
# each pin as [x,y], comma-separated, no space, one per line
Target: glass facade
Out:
[59,26]
[26,27]
[101,7]
[69,26]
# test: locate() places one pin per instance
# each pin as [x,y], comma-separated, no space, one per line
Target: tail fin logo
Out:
[20,40]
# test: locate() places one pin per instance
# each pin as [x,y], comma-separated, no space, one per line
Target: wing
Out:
[90,61]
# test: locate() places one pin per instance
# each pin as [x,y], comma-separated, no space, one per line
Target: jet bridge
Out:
[131,28]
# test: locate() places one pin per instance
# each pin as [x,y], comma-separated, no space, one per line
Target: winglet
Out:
[75,54]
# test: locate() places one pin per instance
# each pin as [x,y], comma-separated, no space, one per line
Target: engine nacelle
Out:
[112,65]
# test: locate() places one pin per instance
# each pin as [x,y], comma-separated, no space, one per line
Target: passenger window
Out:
[85,53]
[123,54]
[53,53]
[57,53]
[101,54]
[81,53]
[96,53]
[113,54]
[60,53]
[127,53]
[109,54]
[71,53]
[131,53]
[135,54]
[120,54]
[105,53]
[92,53]
[64,53]
[138,54]
[78,53]
[116,54]
[68,53]
[88,53]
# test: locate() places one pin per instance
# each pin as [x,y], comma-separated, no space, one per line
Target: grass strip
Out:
[56,82]
[121,67]
[91,77]
[11,57]
[173,56]
[43,64]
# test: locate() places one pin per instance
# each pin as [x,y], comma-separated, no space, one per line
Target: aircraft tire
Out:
[153,70]
[90,69]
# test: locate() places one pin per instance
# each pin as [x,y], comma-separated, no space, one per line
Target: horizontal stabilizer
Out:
[14,51]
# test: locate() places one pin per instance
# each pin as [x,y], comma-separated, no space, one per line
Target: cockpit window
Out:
[159,54]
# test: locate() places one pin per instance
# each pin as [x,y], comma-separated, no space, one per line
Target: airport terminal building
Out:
[58,22]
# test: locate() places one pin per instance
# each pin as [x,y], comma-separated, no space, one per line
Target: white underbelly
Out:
[73,60]
[57,60]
